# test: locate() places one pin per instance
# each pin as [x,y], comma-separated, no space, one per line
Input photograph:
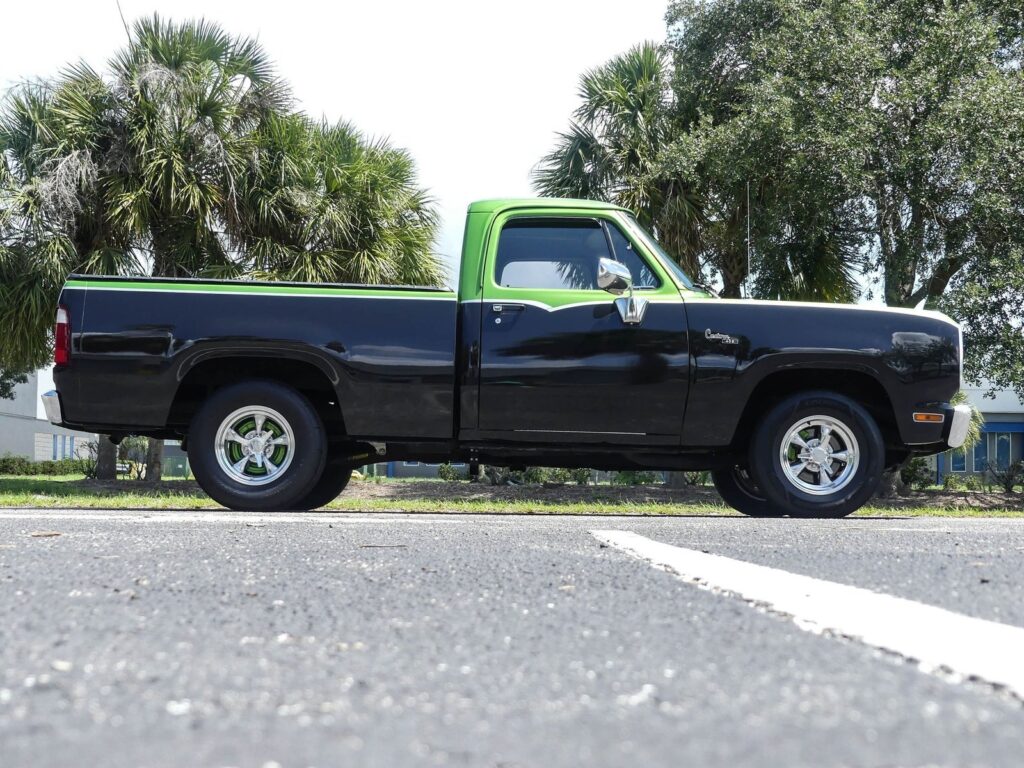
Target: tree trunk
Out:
[496,475]
[676,480]
[733,268]
[106,459]
[155,460]
[731,284]
[892,485]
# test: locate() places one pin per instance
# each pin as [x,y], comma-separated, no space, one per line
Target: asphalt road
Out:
[221,639]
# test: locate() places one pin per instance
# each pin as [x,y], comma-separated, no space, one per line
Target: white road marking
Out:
[937,639]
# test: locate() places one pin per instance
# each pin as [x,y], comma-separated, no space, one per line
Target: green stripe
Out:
[257,288]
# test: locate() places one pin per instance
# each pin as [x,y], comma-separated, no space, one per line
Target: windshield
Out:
[666,261]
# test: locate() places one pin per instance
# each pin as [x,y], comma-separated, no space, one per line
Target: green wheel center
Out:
[254,445]
[247,429]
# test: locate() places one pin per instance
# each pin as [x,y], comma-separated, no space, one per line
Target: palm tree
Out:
[48,221]
[324,205]
[612,151]
[52,211]
[133,175]
[185,161]
[189,99]
[698,180]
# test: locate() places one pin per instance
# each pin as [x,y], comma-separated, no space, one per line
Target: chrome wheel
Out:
[254,445]
[819,455]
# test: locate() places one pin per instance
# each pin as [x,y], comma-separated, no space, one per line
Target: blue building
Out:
[1002,436]
[417,469]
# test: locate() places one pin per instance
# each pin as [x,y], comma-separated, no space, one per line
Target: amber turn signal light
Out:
[932,418]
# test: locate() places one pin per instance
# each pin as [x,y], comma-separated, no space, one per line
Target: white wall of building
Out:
[25,432]
[1004,403]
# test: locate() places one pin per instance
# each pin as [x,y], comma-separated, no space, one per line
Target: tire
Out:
[838,475]
[337,473]
[224,447]
[738,489]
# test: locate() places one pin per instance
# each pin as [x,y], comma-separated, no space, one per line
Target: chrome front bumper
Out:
[958,426]
[51,404]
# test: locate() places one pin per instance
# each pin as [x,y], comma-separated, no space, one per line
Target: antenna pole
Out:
[746,279]
[123,22]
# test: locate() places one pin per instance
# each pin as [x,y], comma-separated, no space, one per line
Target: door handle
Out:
[501,308]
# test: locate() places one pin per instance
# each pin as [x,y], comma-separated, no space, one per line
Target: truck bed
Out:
[134,340]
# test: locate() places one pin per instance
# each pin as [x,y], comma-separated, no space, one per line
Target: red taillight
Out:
[62,338]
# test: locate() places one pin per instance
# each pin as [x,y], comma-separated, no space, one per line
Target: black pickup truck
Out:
[572,341]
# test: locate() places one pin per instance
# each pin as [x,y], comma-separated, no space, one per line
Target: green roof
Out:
[490,206]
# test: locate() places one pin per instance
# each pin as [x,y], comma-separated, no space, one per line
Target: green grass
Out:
[41,492]
[936,512]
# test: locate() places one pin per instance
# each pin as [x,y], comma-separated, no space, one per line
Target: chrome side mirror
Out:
[612,276]
[631,308]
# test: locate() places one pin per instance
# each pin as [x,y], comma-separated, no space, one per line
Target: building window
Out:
[959,460]
[54,447]
[981,454]
[1002,449]
[71,446]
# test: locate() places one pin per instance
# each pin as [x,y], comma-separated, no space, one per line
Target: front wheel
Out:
[738,489]
[817,454]
[257,445]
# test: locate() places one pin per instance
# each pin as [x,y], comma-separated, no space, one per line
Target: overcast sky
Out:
[475,90]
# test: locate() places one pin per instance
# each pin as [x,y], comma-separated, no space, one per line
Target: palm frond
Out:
[613,151]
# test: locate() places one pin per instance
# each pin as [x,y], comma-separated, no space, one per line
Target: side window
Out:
[550,253]
[643,277]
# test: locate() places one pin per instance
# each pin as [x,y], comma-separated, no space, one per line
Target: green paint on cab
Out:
[485,219]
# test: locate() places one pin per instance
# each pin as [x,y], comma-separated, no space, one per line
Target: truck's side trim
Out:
[822,305]
[227,289]
[577,432]
[556,307]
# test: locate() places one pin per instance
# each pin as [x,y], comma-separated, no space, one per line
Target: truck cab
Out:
[550,354]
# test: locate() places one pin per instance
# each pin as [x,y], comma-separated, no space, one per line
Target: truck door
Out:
[559,361]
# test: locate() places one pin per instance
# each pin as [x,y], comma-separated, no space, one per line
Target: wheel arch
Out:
[308,374]
[856,384]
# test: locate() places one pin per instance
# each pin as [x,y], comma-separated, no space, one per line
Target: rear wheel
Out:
[257,445]
[817,454]
[337,473]
[738,489]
